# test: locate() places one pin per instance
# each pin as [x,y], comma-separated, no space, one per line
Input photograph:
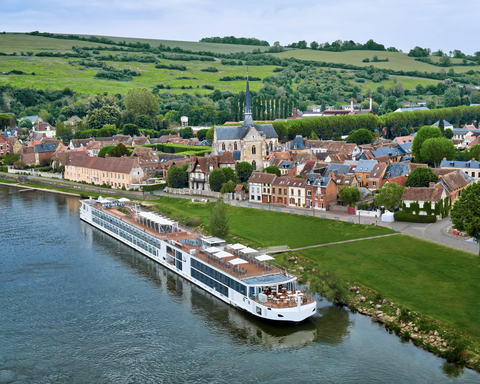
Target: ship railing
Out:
[290,302]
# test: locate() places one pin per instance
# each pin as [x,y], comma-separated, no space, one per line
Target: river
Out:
[77,306]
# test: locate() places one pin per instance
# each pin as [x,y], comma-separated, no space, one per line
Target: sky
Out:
[435,24]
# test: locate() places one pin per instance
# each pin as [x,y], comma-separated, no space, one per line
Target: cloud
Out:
[403,24]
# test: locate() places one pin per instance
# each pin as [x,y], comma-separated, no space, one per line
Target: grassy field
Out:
[435,280]
[397,61]
[57,73]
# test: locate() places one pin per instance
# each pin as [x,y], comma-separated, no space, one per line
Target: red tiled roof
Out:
[262,178]
[423,194]
[109,164]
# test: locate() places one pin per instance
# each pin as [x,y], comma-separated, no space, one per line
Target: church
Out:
[249,142]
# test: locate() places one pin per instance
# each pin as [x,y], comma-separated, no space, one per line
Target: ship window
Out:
[279,315]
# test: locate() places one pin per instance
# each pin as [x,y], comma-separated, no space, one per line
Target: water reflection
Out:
[329,326]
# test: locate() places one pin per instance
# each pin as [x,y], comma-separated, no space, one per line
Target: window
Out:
[254,165]
[254,150]
[223,146]
[299,193]
[309,193]
[273,190]
[235,146]
[291,191]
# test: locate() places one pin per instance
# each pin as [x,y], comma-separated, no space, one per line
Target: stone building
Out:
[249,142]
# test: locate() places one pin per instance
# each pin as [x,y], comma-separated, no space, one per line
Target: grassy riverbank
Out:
[436,281]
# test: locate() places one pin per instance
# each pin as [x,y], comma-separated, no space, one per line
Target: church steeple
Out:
[248,107]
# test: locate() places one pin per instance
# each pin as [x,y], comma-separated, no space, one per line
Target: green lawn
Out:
[435,280]
[269,228]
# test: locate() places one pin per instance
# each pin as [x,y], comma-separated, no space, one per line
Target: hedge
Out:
[412,218]
[4,169]
[153,187]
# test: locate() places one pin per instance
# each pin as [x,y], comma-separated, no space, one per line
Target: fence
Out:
[199,192]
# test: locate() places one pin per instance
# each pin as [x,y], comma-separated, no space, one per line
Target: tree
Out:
[131,129]
[144,122]
[421,177]
[424,133]
[228,187]
[451,98]
[435,149]
[119,150]
[210,134]
[465,214]
[63,132]
[11,158]
[26,123]
[244,171]
[186,133]
[216,180]
[360,136]
[389,196]
[349,195]
[219,220]
[449,133]
[202,134]
[177,177]
[313,45]
[105,115]
[141,102]
[230,174]
[273,169]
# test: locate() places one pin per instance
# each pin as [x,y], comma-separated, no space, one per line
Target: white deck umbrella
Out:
[213,250]
[248,250]
[237,246]
[222,254]
[264,258]
[237,261]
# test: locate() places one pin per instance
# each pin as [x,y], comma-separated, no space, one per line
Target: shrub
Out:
[412,218]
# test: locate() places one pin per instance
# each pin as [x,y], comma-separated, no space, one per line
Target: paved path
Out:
[344,241]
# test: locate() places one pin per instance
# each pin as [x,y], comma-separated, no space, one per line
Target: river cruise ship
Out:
[236,274]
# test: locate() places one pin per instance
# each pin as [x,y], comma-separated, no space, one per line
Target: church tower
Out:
[248,122]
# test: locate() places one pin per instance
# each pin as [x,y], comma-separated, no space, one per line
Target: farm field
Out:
[397,61]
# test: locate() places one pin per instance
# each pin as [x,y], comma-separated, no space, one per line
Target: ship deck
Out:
[252,267]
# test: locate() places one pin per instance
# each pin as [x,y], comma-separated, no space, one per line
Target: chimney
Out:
[351,105]
[370,102]
[294,113]
[431,185]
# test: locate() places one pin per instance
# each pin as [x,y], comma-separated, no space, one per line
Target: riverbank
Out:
[433,280]
[433,335]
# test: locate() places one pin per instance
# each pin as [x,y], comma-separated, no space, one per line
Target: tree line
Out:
[235,40]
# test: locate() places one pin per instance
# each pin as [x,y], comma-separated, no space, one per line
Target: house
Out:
[462,133]
[77,143]
[249,142]
[5,147]
[15,144]
[44,152]
[403,139]
[280,191]
[240,192]
[320,193]
[411,109]
[396,173]
[454,182]
[119,172]
[471,167]
[296,191]
[341,180]
[362,171]
[148,160]
[446,124]
[260,187]
[140,140]
[199,171]
[375,177]
[44,128]
[425,201]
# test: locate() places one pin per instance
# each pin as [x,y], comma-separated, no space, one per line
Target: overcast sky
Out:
[435,24]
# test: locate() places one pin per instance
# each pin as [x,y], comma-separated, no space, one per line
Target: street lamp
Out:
[359,214]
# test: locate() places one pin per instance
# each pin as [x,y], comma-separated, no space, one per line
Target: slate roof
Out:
[387,151]
[411,109]
[406,147]
[262,178]
[365,166]
[474,164]
[237,155]
[322,181]
[445,123]
[47,147]
[297,143]
[337,169]
[286,165]
[238,133]
[396,170]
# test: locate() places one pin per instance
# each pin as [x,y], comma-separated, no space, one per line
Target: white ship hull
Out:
[186,264]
